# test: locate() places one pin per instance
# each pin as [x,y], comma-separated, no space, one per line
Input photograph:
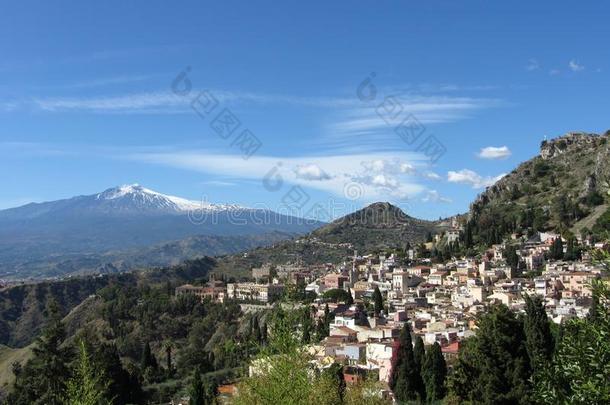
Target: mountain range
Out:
[565,188]
[125,223]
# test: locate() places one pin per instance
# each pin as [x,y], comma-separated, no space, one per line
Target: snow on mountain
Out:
[141,197]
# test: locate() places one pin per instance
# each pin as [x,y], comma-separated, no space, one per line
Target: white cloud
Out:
[554,72]
[426,109]
[431,176]
[407,168]
[466,176]
[494,152]
[138,102]
[433,196]
[382,180]
[339,170]
[311,172]
[532,64]
[575,66]
[159,102]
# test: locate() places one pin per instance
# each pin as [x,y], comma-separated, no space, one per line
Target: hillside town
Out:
[365,301]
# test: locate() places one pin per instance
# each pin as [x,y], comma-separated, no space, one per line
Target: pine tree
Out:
[419,352]
[87,386]
[434,373]
[378,301]
[43,378]
[405,379]
[124,387]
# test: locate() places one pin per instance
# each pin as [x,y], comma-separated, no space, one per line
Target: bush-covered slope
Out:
[22,308]
[565,188]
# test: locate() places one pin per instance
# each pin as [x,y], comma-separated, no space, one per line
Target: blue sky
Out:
[87,103]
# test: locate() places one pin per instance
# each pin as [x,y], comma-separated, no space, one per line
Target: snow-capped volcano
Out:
[135,196]
[124,217]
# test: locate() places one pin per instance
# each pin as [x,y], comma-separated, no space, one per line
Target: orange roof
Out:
[452,348]
[228,389]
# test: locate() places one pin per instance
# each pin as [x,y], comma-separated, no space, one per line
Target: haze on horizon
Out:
[421,105]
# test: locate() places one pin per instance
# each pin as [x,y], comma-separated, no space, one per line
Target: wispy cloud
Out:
[384,179]
[219,183]
[493,152]
[137,102]
[160,102]
[105,81]
[575,66]
[471,178]
[371,127]
[532,65]
[427,110]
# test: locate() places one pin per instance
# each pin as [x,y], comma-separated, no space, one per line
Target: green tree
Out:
[148,359]
[307,326]
[87,385]
[579,372]
[124,388]
[337,295]
[538,336]
[168,345]
[434,373]
[493,366]
[405,379]
[572,250]
[350,299]
[377,301]
[512,259]
[282,373]
[256,329]
[196,391]
[419,352]
[556,252]
[43,379]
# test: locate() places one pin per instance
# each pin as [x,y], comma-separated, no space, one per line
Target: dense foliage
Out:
[283,374]
[518,360]
[142,342]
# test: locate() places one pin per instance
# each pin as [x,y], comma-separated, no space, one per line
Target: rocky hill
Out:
[565,188]
[379,226]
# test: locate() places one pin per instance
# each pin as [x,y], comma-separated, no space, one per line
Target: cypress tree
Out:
[148,359]
[378,301]
[419,352]
[307,327]
[557,249]
[538,337]
[434,373]
[256,330]
[350,299]
[405,379]
[196,391]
